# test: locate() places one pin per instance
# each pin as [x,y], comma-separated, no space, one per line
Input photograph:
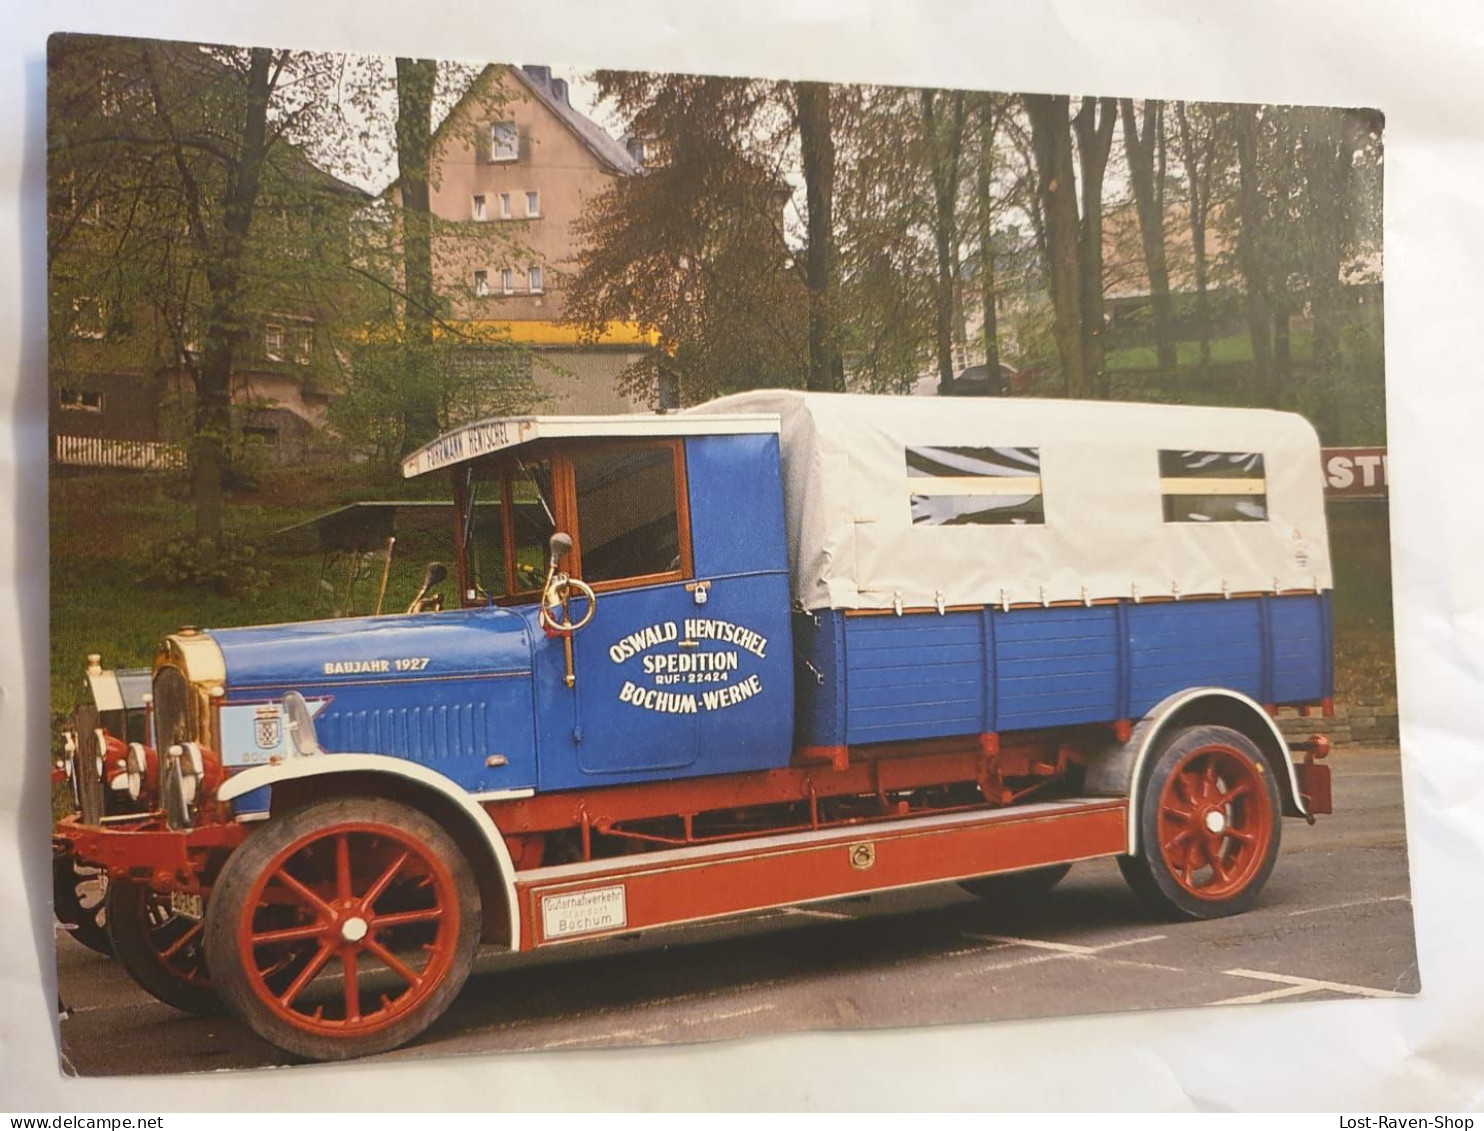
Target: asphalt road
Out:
[1335,921]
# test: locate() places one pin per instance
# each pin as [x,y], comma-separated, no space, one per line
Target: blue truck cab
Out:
[685,668]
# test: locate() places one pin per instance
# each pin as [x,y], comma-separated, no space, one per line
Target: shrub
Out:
[227,568]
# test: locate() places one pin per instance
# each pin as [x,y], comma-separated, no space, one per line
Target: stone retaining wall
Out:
[1362,721]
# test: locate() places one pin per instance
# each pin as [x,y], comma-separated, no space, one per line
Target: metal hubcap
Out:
[1216,821]
[353,930]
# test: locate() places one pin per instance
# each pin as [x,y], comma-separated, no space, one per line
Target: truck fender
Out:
[297,768]
[1117,770]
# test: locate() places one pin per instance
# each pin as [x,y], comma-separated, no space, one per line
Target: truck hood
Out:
[386,649]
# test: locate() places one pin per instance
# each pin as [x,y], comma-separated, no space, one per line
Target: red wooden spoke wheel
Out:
[344,928]
[161,946]
[1210,818]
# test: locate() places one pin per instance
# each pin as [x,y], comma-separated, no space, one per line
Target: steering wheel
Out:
[559,591]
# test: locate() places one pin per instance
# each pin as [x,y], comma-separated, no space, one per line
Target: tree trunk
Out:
[1328,160]
[945,144]
[416,79]
[817,145]
[986,243]
[1148,204]
[1094,122]
[1197,176]
[1250,254]
[225,328]
[1051,144]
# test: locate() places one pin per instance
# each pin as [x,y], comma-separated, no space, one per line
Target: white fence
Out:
[95,451]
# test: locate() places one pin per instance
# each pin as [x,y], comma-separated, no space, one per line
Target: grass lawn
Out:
[1236,349]
[105,528]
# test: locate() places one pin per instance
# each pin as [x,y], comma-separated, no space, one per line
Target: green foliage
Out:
[467,378]
[695,248]
[228,568]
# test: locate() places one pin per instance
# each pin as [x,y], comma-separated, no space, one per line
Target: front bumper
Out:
[147,851]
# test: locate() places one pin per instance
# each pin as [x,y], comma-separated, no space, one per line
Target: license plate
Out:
[184,903]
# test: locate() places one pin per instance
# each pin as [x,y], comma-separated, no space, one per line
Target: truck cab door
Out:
[626,716]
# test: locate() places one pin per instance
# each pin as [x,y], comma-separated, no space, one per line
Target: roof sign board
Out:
[486,437]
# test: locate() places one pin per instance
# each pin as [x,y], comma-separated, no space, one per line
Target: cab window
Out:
[628,512]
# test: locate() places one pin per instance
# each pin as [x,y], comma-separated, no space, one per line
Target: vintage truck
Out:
[780,648]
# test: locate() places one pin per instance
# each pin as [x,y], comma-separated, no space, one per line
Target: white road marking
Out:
[1050,952]
[1353,903]
[1266,995]
[649,1034]
[1310,984]
[818,913]
[1060,947]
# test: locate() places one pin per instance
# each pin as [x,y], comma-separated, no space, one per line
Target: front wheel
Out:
[1210,819]
[343,928]
[160,945]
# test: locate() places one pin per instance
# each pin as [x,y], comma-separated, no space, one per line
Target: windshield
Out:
[534,523]
[527,487]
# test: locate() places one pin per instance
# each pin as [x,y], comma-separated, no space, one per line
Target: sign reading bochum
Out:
[701,680]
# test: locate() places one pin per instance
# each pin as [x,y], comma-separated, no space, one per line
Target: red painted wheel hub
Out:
[349,928]
[1215,822]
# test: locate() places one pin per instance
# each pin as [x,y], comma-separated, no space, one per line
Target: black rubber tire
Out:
[87,924]
[1017,887]
[130,909]
[228,904]
[1148,873]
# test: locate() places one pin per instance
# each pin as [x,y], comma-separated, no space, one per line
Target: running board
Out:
[598,898]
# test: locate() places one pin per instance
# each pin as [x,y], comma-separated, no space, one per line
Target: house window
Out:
[533,204]
[81,400]
[507,281]
[479,213]
[300,344]
[481,283]
[504,206]
[534,277]
[1213,486]
[89,318]
[273,342]
[975,486]
[504,142]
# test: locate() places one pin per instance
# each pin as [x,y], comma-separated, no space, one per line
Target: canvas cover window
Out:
[964,486]
[1200,486]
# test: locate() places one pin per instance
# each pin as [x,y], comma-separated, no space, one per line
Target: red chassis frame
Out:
[688,876]
[707,881]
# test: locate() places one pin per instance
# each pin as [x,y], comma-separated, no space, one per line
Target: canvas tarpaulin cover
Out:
[926,501]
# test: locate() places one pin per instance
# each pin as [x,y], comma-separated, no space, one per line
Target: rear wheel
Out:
[79,895]
[343,928]
[1210,819]
[1017,887]
[161,946]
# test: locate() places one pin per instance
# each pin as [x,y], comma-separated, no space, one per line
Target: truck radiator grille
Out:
[174,716]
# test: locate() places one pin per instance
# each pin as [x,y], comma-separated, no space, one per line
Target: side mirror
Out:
[561,546]
[434,575]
